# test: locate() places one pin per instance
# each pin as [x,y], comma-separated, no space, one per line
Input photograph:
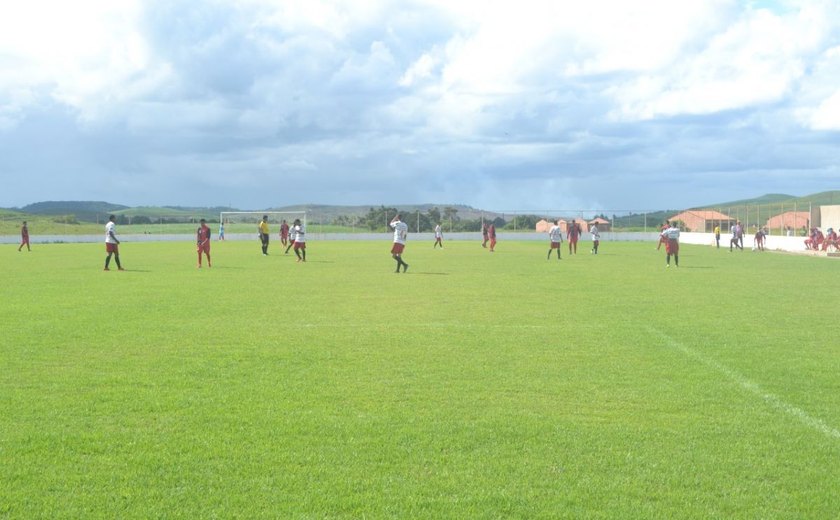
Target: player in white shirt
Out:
[438,237]
[299,244]
[596,238]
[112,244]
[555,235]
[400,235]
[672,244]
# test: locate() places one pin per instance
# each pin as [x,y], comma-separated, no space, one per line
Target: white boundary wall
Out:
[774,243]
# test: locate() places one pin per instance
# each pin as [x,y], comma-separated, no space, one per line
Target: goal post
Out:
[247,221]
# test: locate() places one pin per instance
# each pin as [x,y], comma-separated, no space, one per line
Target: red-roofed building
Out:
[703,220]
[796,220]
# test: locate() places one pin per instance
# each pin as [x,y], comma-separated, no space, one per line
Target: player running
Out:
[555,236]
[438,237]
[400,236]
[202,242]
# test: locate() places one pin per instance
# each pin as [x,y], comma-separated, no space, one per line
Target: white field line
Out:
[429,325]
[753,388]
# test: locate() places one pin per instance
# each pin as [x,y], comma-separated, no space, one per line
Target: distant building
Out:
[703,221]
[603,224]
[543,226]
[795,219]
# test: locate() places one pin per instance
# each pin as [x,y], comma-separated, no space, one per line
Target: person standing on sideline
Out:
[284,234]
[221,230]
[662,239]
[573,233]
[491,234]
[438,236]
[555,236]
[717,236]
[596,238]
[263,230]
[112,244]
[202,242]
[672,244]
[400,235]
[484,234]
[24,237]
[299,242]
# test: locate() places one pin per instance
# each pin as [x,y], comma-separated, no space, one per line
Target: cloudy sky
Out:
[505,105]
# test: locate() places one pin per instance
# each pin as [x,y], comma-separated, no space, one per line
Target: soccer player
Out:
[573,234]
[596,238]
[299,240]
[24,237]
[438,236]
[400,235]
[202,242]
[221,230]
[672,244]
[717,236]
[662,239]
[491,233]
[737,239]
[284,234]
[263,230]
[112,244]
[555,236]
[484,234]
[758,240]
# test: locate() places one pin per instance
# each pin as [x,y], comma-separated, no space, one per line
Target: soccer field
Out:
[476,385]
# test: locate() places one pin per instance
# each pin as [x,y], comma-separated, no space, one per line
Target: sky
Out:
[500,105]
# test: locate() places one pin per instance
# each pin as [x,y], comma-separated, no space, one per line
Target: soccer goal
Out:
[247,221]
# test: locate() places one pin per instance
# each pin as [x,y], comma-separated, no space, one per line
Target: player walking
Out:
[672,244]
[299,243]
[112,244]
[491,234]
[438,237]
[24,237]
[263,231]
[202,242]
[596,238]
[484,234]
[400,236]
[555,235]
[284,234]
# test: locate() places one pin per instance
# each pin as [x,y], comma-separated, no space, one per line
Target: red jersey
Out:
[202,235]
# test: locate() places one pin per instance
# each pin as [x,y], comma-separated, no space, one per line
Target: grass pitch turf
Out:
[477,385]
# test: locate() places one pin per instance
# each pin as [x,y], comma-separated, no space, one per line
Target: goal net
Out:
[247,221]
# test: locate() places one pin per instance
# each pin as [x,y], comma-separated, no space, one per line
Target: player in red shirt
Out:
[24,237]
[284,234]
[491,233]
[572,234]
[662,239]
[202,242]
[830,239]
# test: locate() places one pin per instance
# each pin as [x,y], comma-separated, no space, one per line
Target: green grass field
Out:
[476,385]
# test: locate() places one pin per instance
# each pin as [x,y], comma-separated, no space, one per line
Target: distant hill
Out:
[825,198]
[83,210]
[96,211]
